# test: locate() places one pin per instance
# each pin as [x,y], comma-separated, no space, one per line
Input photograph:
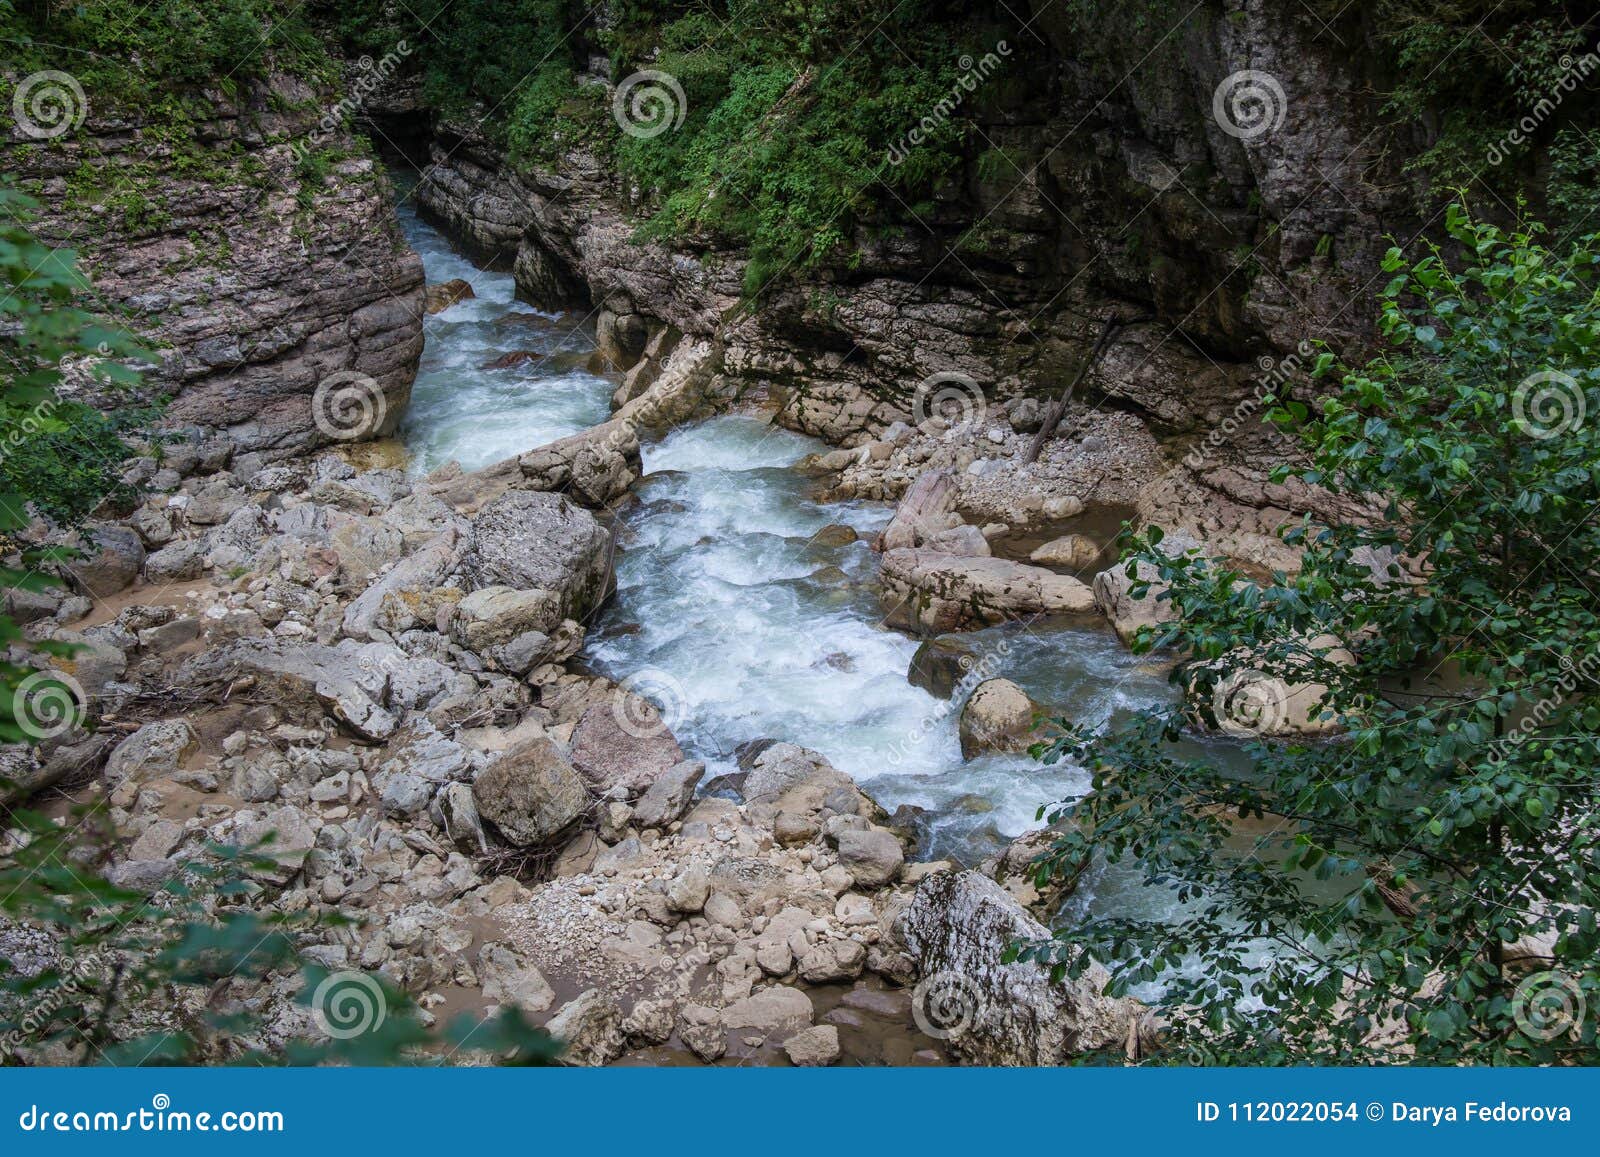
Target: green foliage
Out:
[138,978]
[1396,871]
[58,456]
[132,51]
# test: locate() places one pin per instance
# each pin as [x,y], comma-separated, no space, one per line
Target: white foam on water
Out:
[477,416]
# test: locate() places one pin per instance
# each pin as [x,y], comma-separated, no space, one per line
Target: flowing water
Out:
[478,416]
[735,615]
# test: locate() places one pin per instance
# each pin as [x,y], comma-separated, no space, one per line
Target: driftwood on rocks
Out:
[1053,412]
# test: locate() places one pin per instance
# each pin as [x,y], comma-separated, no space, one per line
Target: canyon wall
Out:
[1219,193]
[253,247]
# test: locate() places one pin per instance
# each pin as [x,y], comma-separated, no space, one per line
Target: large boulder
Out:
[1113,591]
[596,466]
[872,857]
[397,601]
[623,746]
[998,717]
[590,1029]
[350,681]
[926,510]
[110,557]
[155,750]
[532,541]
[1072,552]
[669,796]
[935,592]
[956,929]
[531,793]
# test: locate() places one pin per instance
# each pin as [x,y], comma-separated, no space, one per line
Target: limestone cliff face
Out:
[1118,180]
[255,274]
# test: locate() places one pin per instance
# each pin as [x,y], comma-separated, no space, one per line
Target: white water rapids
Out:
[732,616]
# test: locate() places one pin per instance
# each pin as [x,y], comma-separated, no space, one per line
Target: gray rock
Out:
[779,1009]
[289,836]
[112,556]
[509,979]
[393,601]
[997,717]
[177,562]
[590,1026]
[701,1029]
[833,961]
[457,814]
[872,858]
[813,1047]
[928,590]
[530,793]
[651,1021]
[155,750]
[532,541]
[956,929]
[1071,552]
[689,891]
[623,745]
[669,796]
